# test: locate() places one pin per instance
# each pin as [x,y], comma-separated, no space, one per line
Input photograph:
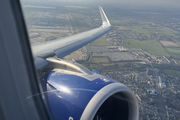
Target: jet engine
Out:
[75,93]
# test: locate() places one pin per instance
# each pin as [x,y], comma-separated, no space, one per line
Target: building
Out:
[161,82]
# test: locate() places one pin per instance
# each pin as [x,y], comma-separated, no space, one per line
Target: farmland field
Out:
[99,60]
[100,42]
[152,46]
[172,72]
[168,44]
[174,51]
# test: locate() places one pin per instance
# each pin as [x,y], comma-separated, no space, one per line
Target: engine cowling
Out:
[86,95]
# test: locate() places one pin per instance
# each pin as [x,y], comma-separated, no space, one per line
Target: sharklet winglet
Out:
[105,21]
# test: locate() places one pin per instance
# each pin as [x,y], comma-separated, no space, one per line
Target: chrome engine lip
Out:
[99,98]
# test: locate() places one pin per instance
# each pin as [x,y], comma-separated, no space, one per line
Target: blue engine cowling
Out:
[79,96]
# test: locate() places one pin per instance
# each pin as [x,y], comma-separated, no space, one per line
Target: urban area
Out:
[141,51]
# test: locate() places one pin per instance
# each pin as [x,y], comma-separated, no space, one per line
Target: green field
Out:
[152,46]
[99,60]
[140,30]
[172,72]
[174,51]
[148,31]
[163,31]
[121,65]
[167,32]
[178,44]
[152,30]
[100,42]
[117,21]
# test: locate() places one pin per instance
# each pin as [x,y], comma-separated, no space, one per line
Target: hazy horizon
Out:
[116,2]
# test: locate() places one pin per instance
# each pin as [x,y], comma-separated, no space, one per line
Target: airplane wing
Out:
[65,90]
[74,92]
[65,46]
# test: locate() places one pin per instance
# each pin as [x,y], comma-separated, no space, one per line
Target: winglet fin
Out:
[105,21]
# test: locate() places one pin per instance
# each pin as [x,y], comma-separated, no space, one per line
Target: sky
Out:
[140,2]
[159,2]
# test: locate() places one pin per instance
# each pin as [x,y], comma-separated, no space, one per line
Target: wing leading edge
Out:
[65,46]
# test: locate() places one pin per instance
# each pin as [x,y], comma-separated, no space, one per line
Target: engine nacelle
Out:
[86,95]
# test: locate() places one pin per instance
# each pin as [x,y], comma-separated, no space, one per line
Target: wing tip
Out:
[104,18]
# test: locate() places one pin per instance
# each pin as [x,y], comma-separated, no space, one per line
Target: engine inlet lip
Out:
[102,95]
